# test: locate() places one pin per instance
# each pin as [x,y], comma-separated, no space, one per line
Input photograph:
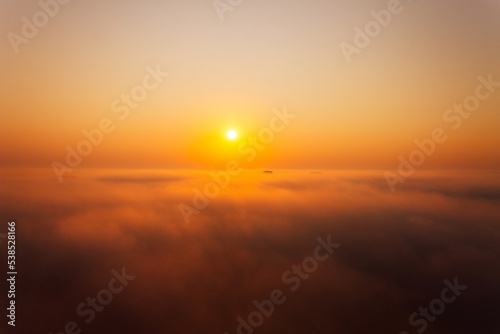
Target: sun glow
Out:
[232,134]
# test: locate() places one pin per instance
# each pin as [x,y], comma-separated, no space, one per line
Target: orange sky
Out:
[233,73]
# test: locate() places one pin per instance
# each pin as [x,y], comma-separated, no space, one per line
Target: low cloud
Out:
[397,248]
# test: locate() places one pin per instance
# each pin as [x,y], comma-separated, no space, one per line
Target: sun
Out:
[231,134]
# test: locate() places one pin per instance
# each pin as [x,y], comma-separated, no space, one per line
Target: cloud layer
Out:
[396,251]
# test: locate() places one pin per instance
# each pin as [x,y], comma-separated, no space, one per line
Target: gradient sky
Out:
[264,55]
[122,208]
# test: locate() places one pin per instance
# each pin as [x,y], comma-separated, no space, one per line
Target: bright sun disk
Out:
[231,134]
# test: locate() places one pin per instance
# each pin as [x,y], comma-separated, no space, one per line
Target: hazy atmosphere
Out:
[250,167]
